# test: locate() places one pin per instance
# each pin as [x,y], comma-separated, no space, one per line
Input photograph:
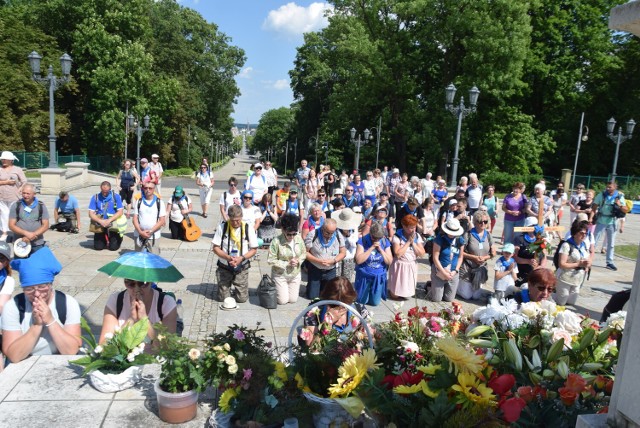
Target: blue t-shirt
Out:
[439,195]
[105,206]
[449,250]
[375,264]
[67,207]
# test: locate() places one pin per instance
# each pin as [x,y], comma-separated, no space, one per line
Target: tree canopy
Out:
[156,57]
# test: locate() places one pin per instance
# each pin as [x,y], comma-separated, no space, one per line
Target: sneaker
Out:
[611,266]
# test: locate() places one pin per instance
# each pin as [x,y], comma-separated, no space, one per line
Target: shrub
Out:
[503,181]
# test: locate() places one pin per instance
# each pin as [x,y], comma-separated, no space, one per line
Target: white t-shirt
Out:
[157,167]
[427,187]
[507,280]
[227,199]
[270,175]
[559,202]
[369,187]
[45,344]
[228,245]
[148,216]
[168,304]
[258,185]
[249,215]
[7,290]
[474,197]
[205,178]
[175,213]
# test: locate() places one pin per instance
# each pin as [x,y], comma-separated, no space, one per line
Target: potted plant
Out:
[180,378]
[255,387]
[116,364]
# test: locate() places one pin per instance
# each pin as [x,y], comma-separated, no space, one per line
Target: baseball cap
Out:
[144,160]
[179,191]
[396,171]
[508,248]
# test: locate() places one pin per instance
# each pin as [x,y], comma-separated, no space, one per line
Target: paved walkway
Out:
[197,263]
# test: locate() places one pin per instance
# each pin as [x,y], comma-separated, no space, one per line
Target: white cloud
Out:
[281,84]
[296,20]
[245,73]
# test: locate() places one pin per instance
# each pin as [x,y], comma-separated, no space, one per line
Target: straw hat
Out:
[348,220]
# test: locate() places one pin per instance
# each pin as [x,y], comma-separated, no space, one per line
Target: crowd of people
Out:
[364,237]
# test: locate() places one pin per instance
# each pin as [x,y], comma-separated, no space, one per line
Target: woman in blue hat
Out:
[40,320]
[178,207]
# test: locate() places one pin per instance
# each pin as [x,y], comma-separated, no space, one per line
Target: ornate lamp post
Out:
[618,139]
[358,142]
[139,128]
[52,83]
[459,111]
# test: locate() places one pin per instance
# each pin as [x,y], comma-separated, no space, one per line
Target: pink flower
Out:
[238,335]
[355,322]
[306,334]
[247,374]
[325,331]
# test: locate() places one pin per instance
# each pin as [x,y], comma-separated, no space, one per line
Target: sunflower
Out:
[412,389]
[225,399]
[472,392]
[351,373]
[459,358]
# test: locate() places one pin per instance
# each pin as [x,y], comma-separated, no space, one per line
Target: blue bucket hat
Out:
[247,192]
[40,268]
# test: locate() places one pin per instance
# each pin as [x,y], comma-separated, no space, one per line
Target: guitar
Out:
[191,230]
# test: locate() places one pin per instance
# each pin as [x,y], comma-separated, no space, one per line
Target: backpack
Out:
[40,209]
[61,306]
[264,180]
[556,254]
[64,226]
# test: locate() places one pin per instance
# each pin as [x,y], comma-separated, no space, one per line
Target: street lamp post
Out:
[378,130]
[459,111]
[52,83]
[583,135]
[358,142]
[325,147]
[618,139]
[140,128]
[315,141]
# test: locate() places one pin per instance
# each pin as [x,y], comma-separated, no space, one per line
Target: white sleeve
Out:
[163,209]
[217,237]
[222,201]
[10,316]
[253,238]
[73,311]
[9,286]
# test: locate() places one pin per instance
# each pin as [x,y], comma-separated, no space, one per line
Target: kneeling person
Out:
[105,208]
[41,320]
[234,242]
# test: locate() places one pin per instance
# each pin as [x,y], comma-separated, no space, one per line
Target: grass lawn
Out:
[32,174]
[629,250]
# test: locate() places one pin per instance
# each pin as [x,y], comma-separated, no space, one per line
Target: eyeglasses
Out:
[349,190]
[132,284]
[39,288]
[582,232]
[549,290]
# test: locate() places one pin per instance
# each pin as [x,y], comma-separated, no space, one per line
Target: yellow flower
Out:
[351,373]
[429,370]
[300,383]
[226,397]
[412,389]
[473,392]
[459,358]
[280,371]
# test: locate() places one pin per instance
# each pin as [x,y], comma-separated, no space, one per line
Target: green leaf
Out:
[587,338]
[83,361]
[135,334]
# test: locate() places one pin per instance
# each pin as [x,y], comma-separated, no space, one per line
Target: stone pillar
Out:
[52,180]
[624,411]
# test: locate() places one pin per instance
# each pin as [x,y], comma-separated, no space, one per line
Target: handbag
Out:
[95,227]
[267,293]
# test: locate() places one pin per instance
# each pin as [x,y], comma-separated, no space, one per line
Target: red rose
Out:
[502,384]
[567,395]
[575,383]
[512,408]
[608,388]
[526,393]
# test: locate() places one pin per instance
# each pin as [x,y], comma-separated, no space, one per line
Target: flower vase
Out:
[114,382]
[176,408]
[330,413]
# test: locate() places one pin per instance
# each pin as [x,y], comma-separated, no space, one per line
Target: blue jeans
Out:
[316,278]
[509,235]
[610,231]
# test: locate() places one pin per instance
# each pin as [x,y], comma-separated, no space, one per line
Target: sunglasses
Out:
[291,233]
[247,197]
[132,284]
[349,190]
[259,167]
[549,290]
[321,196]
[233,184]
[39,288]
[485,222]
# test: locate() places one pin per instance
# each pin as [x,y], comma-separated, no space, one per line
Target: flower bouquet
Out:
[541,243]
[563,363]
[116,364]
[255,386]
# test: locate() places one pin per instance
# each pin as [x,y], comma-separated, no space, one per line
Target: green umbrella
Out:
[142,266]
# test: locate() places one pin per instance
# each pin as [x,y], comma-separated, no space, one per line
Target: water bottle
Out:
[179,321]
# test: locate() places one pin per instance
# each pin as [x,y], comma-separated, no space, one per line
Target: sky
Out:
[269,31]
